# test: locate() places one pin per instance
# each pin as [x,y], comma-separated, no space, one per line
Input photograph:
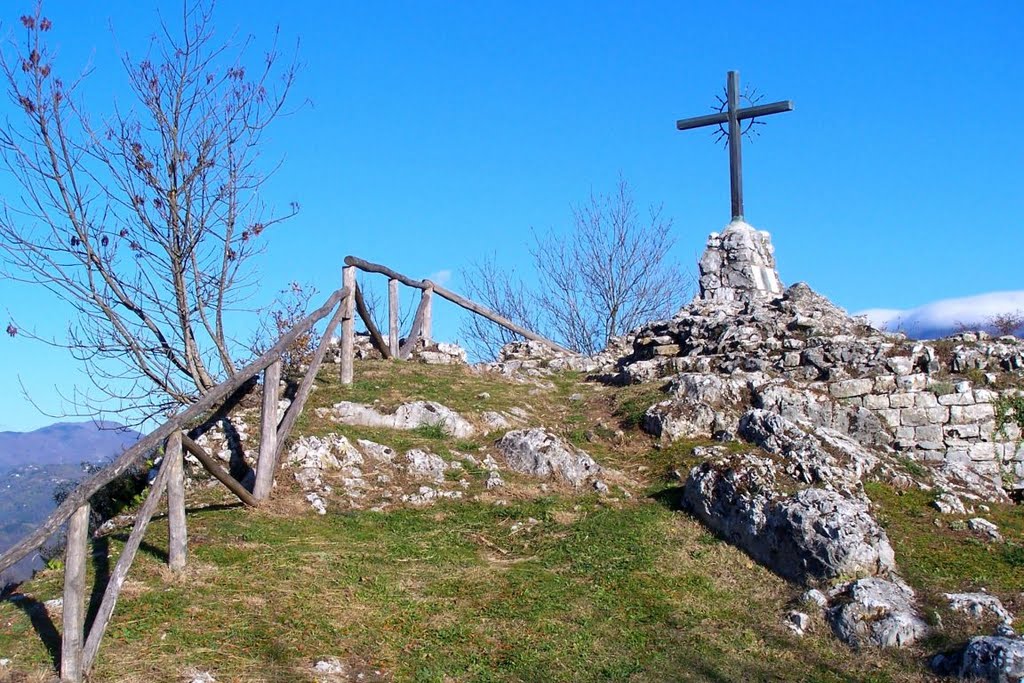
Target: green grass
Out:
[452,593]
[594,589]
[937,554]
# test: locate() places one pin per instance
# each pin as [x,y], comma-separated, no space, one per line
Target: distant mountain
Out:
[65,443]
[34,464]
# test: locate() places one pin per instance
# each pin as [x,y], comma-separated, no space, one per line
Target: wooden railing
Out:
[80,647]
[422,320]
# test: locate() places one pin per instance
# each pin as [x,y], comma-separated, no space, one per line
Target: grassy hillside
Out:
[531,582]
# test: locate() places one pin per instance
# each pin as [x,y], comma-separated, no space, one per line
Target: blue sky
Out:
[439,132]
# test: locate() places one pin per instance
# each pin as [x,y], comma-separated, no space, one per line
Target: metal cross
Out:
[733,115]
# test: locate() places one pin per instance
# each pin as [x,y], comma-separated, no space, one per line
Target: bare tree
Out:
[142,219]
[610,273]
[1007,323]
[505,294]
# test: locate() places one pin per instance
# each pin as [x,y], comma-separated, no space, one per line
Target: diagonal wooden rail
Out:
[78,647]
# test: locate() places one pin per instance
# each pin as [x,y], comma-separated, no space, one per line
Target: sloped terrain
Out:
[534,579]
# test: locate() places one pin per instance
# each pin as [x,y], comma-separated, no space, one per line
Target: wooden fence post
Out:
[120,571]
[348,325]
[74,596]
[393,316]
[428,304]
[268,433]
[177,553]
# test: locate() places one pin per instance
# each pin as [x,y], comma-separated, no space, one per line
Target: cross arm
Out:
[723,117]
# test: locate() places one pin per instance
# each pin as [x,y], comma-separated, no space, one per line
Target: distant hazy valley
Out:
[32,466]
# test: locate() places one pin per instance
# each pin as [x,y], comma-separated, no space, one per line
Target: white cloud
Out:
[942,317]
[441,277]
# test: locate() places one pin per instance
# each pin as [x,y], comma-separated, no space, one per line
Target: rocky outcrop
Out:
[703,406]
[819,366]
[534,360]
[979,606]
[998,658]
[539,453]
[408,416]
[810,536]
[822,456]
[875,611]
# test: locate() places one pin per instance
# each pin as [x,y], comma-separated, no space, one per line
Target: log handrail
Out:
[151,441]
[456,299]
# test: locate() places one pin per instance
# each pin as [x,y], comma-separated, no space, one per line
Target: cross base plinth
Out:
[739,265]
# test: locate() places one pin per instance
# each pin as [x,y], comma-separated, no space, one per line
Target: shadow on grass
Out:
[670,497]
[41,623]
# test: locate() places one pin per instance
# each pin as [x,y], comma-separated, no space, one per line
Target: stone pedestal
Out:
[739,265]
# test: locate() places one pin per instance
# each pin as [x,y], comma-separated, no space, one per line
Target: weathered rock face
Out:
[739,265]
[822,534]
[998,658]
[731,496]
[704,406]
[876,612]
[542,454]
[821,456]
[407,416]
[810,536]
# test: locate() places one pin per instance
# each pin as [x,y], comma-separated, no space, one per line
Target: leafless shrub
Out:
[1008,323]
[290,306]
[608,274]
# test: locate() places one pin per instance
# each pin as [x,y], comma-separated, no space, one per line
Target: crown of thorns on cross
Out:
[749,96]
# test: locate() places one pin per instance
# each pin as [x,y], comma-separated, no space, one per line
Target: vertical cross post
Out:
[177,553]
[74,597]
[735,155]
[393,317]
[731,118]
[267,463]
[348,325]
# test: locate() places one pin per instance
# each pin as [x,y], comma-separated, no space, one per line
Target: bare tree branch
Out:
[142,220]
[608,274]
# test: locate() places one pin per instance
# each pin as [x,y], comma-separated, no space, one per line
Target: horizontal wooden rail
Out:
[384,270]
[151,441]
[455,299]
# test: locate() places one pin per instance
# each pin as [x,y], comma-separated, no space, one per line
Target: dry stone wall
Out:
[935,401]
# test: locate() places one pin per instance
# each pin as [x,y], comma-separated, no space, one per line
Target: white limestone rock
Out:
[739,265]
[984,526]
[949,504]
[539,453]
[331,452]
[494,421]
[813,456]
[425,464]
[977,605]
[377,452]
[797,622]
[408,416]
[875,611]
[427,495]
[998,658]
[810,536]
